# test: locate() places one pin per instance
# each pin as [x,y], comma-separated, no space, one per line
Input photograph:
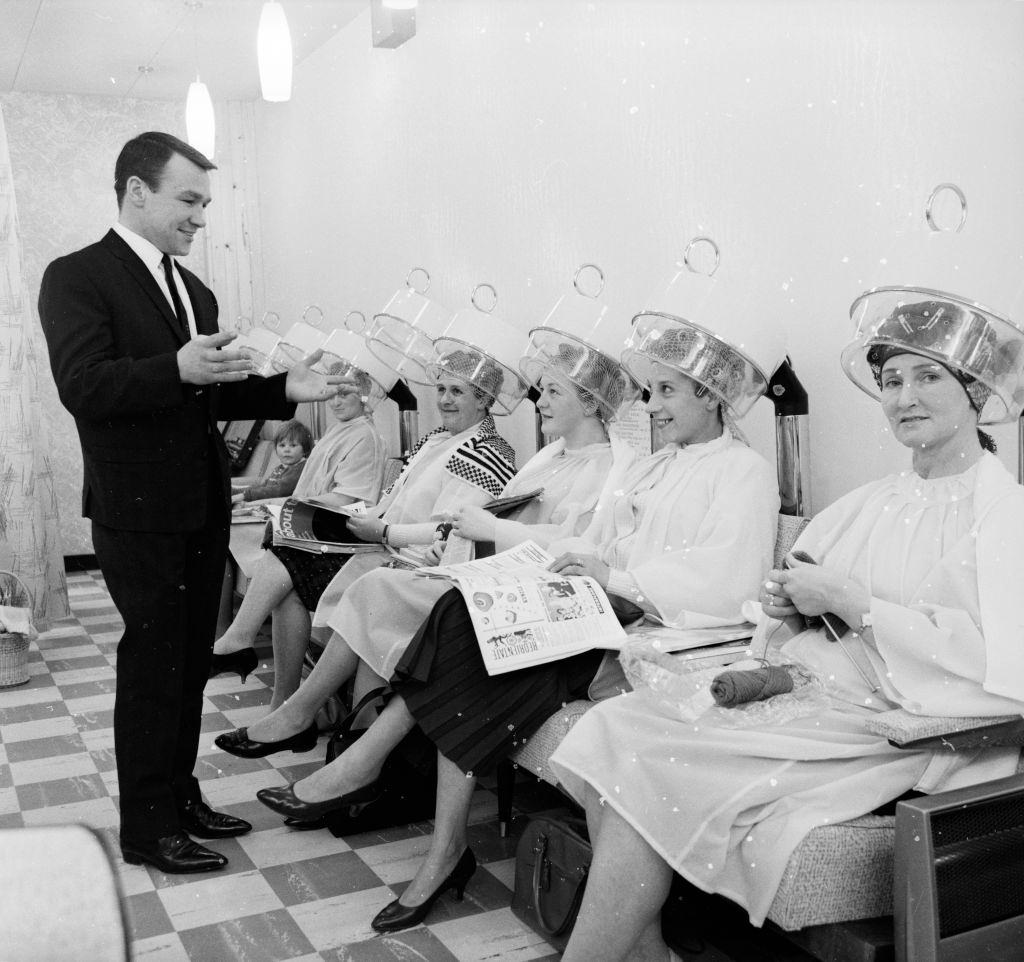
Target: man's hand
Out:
[201,360]
[305,384]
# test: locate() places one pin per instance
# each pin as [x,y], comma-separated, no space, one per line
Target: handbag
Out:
[552,863]
[408,780]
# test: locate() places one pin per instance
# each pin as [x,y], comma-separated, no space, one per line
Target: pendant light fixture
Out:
[274,53]
[199,123]
[200,126]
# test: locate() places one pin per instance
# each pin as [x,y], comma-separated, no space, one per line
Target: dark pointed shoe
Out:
[394,917]
[198,819]
[243,661]
[285,802]
[175,854]
[239,743]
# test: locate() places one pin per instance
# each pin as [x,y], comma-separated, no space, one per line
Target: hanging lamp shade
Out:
[199,122]
[274,53]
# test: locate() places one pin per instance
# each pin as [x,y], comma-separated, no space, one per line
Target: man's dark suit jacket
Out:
[147,439]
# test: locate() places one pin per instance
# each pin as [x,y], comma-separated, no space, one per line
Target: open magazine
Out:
[525,614]
[320,527]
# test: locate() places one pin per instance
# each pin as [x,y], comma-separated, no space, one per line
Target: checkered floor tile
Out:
[285,894]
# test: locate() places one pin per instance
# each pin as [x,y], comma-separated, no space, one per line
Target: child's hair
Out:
[297,432]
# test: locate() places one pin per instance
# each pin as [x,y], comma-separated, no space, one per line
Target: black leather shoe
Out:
[285,802]
[175,854]
[243,661]
[239,743]
[394,917]
[198,819]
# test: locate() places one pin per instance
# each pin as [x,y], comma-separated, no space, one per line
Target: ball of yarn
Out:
[733,688]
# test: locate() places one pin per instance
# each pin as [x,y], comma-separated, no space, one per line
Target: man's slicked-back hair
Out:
[146,156]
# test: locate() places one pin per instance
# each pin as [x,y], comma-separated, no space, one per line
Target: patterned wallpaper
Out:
[62,151]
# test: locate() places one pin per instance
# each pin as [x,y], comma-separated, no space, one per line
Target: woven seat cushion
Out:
[901,727]
[541,745]
[838,873]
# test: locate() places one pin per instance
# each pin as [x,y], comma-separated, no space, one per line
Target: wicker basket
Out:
[13,647]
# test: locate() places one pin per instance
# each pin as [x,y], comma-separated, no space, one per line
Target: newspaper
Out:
[524,614]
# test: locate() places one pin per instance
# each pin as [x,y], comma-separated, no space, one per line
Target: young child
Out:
[293,442]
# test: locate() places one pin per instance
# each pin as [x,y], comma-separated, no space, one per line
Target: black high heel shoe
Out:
[285,802]
[395,916]
[243,661]
[239,743]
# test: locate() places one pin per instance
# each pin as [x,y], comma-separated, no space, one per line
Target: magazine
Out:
[524,614]
[317,526]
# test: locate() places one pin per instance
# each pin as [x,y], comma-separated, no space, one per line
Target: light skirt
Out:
[726,807]
[380,612]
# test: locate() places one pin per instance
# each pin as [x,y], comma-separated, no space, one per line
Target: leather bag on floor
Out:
[552,864]
[408,781]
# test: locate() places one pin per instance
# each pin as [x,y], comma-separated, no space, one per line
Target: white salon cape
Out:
[726,806]
[690,533]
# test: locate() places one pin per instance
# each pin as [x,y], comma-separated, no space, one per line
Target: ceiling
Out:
[96,47]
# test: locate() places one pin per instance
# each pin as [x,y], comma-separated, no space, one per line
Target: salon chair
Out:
[62,899]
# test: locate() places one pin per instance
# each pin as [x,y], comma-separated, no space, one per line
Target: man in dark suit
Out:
[139,362]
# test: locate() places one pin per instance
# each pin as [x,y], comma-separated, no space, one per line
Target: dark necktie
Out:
[179,308]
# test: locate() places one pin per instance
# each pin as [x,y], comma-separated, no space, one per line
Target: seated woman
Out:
[346,464]
[688,536]
[924,566]
[465,461]
[379,613]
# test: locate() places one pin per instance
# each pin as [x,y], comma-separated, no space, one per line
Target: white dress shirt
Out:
[152,257]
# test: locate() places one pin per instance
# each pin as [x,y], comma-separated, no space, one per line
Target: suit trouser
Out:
[167,589]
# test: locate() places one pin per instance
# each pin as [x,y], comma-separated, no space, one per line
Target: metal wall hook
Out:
[931,200]
[600,279]
[494,298]
[314,307]
[689,250]
[349,326]
[426,280]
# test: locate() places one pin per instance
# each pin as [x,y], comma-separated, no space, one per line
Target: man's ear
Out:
[135,191]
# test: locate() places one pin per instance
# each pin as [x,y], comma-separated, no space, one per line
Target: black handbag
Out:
[408,781]
[552,863]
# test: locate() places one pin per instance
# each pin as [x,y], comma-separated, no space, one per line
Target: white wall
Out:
[510,141]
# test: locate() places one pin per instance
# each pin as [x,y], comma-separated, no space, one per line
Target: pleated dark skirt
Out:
[310,573]
[476,719]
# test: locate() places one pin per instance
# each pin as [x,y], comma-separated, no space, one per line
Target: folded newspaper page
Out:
[524,614]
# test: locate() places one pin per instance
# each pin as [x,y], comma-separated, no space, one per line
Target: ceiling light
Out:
[199,122]
[274,53]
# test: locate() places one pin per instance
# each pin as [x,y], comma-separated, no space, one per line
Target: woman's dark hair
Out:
[296,432]
[146,156]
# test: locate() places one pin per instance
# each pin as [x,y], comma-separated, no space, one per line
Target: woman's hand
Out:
[816,589]
[775,602]
[574,563]
[434,552]
[474,523]
[367,529]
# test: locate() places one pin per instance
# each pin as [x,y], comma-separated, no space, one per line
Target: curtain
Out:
[30,544]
